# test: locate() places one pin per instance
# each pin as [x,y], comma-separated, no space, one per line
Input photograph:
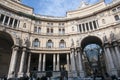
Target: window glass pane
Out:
[62,44]
[49,44]
[36,43]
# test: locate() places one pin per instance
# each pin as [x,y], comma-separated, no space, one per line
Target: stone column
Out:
[18,23]
[4,20]
[28,66]
[112,70]
[80,62]
[89,26]
[97,24]
[13,62]
[93,26]
[117,54]
[22,63]
[114,56]
[73,67]
[44,58]
[78,29]
[39,64]
[8,21]
[68,62]
[107,61]
[54,62]
[82,28]
[58,63]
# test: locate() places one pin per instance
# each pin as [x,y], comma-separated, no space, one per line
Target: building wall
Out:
[23,28]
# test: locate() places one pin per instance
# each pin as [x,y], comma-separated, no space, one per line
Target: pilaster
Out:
[81,71]
[13,62]
[22,63]
[112,69]
[73,66]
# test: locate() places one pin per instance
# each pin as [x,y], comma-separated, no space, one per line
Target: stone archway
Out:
[94,62]
[6,43]
[89,40]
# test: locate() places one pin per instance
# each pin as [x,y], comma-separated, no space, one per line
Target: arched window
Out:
[24,25]
[62,44]
[35,29]
[39,30]
[103,21]
[63,31]
[36,43]
[59,31]
[117,17]
[48,30]
[49,44]
[51,30]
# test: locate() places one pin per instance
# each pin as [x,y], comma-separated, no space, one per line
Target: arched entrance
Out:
[93,57]
[6,44]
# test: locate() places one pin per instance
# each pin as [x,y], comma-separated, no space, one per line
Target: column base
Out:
[114,72]
[28,74]
[72,74]
[82,74]
[11,76]
[20,75]
[41,74]
[56,74]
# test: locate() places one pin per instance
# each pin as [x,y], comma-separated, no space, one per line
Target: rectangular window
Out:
[90,23]
[6,20]
[11,21]
[80,28]
[87,27]
[1,18]
[83,25]
[94,23]
[15,24]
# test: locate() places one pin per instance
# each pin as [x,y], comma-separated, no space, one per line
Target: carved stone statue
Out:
[112,36]
[105,38]
[72,43]
[77,42]
[26,42]
[17,41]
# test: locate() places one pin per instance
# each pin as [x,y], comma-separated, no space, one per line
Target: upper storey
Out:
[16,6]
[82,12]
[83,20]
[87,10]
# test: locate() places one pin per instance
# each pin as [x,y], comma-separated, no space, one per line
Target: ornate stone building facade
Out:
[54,46]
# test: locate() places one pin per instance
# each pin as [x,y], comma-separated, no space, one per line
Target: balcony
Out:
[49,50]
